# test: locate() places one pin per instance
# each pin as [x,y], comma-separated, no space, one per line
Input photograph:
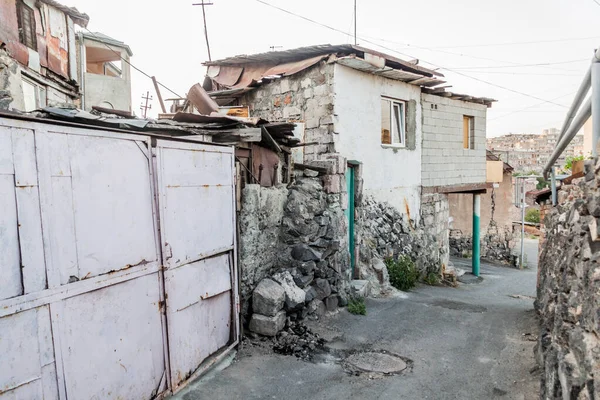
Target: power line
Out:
[408,55]
[524,65]
[596,1]
[528,107]
[129,63]
[522,73]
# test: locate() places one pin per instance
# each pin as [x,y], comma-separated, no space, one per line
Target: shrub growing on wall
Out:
[402,271]
[532,215]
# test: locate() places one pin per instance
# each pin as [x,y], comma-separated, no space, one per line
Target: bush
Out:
[357,306]
[432,279]
[403,273]
[569,161]
[532,215]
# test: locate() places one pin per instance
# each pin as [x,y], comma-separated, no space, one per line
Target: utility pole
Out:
[144,107]
[355,22]
[205,29]
[275,47]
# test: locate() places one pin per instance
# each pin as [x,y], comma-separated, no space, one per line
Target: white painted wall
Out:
[445,161]
[103,88]
[390,175]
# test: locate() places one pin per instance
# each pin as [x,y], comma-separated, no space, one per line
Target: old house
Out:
[498,214]
[391,142]
[40,37]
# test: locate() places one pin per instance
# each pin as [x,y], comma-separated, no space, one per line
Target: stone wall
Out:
[11,92]
[495,244]
[306,96]
[568,297]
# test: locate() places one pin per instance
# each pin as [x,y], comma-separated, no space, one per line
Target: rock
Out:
[304,280]
[294,296]
[311,294]
[360,287]
[316,307]
[331,303]
[322,288]
[302,252]
[268,298]
[311,173]
[307,268]
[267,326]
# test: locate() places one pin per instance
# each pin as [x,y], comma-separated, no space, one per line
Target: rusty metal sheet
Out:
[294,67]
[201,100]
[226,75]
[251,74]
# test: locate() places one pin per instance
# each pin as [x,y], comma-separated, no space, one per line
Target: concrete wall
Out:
[445,161]
[496,205]
[390,175]
[109,89]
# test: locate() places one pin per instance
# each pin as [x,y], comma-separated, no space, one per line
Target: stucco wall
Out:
[390,175]
[498,201]
[445,161]
[102,88]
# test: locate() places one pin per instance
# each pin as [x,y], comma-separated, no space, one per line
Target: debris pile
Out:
[297,340]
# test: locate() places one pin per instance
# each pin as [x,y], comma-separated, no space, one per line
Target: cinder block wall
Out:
[305,97]
[444,160]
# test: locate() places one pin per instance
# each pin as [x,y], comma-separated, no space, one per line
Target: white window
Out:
[393,122]
[34,96]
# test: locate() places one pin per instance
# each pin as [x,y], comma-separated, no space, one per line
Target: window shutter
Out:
[411,125]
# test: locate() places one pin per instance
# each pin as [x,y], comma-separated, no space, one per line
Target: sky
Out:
[483,48]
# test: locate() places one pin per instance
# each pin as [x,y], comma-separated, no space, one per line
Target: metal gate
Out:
[89,218]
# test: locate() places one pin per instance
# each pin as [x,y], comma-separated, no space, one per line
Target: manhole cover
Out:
[382,363]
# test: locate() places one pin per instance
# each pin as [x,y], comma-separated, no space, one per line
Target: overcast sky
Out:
[473,41]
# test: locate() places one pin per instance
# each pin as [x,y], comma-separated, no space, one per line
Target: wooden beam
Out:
[270,141]
[232,136]
[301,167]
[160,99]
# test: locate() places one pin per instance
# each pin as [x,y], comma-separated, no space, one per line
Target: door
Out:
[350,172]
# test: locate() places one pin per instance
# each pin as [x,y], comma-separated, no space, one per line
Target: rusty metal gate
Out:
[118,266]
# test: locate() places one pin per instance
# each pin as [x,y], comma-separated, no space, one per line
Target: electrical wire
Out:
[523,65]
[128,62]
[528,107]
[596,1]
[408,55]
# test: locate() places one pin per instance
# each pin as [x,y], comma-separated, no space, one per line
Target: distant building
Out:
[531,152]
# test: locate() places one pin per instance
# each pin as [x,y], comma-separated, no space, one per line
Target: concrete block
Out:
[329,164]
[268,298]
[331,183]
[267,326]
[291,112]
[312,123]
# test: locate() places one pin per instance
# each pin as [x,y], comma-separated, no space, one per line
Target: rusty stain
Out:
[288,99]
[277,102]
[173,186]
[406,206]
[123,367]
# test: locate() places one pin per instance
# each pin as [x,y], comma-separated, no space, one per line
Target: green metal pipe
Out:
[476,215]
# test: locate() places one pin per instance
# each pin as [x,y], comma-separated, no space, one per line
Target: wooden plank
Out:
[271,143]
[160,99]
[236,135]
[301,167]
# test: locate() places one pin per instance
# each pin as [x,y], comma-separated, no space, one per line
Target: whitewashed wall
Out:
[390,175]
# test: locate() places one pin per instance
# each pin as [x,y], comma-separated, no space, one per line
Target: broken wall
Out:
[11,91]
[568,300]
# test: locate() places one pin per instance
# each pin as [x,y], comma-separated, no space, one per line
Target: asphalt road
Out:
[472,342]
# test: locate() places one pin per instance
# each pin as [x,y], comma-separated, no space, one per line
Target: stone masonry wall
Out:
[11,92]
[306,96]
[568,297]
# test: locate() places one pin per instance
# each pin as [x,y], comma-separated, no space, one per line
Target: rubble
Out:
[267,326]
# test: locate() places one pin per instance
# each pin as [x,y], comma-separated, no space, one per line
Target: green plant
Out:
[532,215]
[402,271]
[357,306]
[432,279]
[569,161]
[542,183]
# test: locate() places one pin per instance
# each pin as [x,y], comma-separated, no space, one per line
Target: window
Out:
[26,21]
[468,132]
[34,96]
[393,122]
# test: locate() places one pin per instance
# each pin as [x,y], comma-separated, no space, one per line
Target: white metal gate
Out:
[86,224]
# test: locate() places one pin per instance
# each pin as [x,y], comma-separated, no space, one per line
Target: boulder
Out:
[311,294]
[322,288]
[316,307]
[331,303]
[268,298]
[294,296]
[267,326]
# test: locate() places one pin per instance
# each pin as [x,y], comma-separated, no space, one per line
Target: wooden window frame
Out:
[26,16]
[400,126]
[468,132]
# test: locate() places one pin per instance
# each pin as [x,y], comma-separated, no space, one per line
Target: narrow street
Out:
[473,342]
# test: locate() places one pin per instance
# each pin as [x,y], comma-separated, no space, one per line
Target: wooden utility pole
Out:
[205,29]
[160,99]
[144,107]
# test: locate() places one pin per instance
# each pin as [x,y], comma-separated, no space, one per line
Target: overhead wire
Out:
[528,107]
[408,55]
[129,62]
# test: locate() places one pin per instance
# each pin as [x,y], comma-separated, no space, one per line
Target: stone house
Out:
[45,62]
[394,146]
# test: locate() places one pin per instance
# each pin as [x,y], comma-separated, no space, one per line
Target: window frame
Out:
[468,132]
[401,125]
[28,40]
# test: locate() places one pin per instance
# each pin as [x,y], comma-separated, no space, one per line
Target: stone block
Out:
[268,298]
[302,252]
[322,287]
[305,83]
[267,326]
[310,294]
[328,120]
[332,183]
[312,123]
[291,112]
[294,296]
[360,287]
[322,90]
[307,93]
[285,85]
[304,280]
[316,307]
[331,303]
[329,164]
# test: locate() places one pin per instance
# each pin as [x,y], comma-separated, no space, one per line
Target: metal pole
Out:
[579,97]
[522,222]
[476,215]
[553,186]
[595,106]
[355,22]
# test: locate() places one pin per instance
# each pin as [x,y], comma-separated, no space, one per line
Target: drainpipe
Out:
[82,69]
[553,186]
[522,223]
[476,215]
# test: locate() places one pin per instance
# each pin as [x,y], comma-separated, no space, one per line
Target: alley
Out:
[473,342]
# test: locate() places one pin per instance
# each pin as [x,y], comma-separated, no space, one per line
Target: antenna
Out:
[205,29]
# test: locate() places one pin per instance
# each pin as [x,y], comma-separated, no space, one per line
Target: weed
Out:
[402,271]
[357,306]
[432,279]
